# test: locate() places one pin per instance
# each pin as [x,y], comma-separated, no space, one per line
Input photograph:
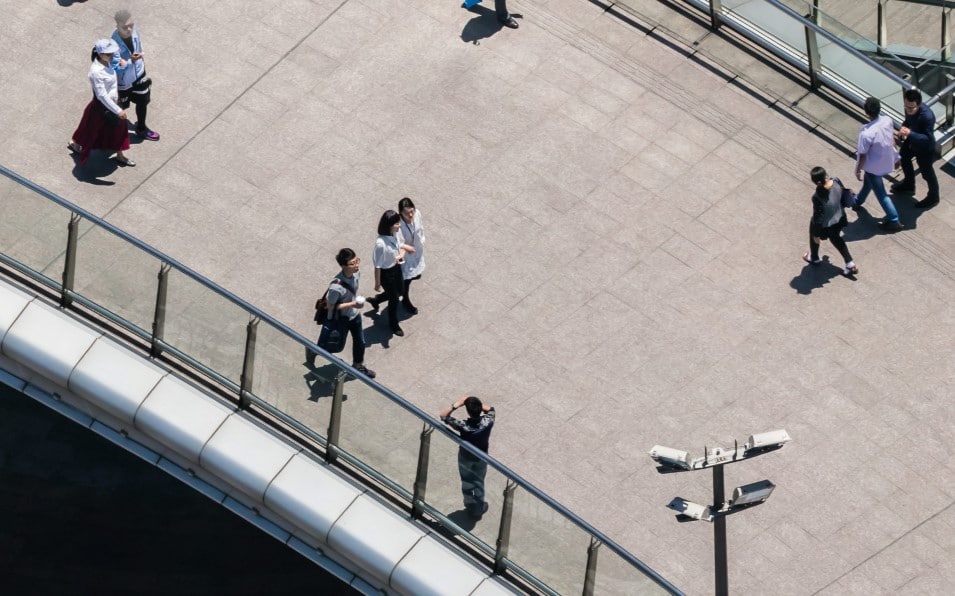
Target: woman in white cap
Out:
[103,125]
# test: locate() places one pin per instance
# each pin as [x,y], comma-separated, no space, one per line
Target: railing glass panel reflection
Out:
[381,437]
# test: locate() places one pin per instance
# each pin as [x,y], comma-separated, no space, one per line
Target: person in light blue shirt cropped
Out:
[134,85]
[876,158]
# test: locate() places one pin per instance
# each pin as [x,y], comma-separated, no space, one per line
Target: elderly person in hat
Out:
[103,125]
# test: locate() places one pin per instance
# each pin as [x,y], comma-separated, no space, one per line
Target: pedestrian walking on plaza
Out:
[134,85]
[411,232]
[343,299]
[388,256]
[476,430]
[828,219]
[103,125]
[876,158]
[500,9]
[916,140]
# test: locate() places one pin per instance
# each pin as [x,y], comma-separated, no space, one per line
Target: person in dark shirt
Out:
[828,220]
[916,139]
[476,430]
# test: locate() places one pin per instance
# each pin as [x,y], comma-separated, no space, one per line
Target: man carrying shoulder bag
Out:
[344,313]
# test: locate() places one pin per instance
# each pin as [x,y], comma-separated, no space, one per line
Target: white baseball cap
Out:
[106,46]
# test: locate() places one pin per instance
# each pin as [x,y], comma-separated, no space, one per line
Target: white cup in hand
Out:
[360,300]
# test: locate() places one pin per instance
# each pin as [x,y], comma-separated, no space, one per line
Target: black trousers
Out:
[500,7]
[925,161]
[392,286]
[834,235]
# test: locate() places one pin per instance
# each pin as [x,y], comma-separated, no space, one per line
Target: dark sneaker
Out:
[149,135]
[850,271]
[478,513]
[510,23]
[397,331]
[927,203]
[411,308]
[365,371]
[890,226]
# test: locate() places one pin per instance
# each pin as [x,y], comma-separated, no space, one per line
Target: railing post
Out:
[812,51]
[421,475]
[248,364]
[882,25]
[335,419]
[504,532]
[946,34]
[591,576]
[69,263]
[716,9]
[949,102]
[159,315]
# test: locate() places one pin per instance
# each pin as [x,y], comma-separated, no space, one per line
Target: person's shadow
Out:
[98,166]
[320,381]
[484,25]
[815,276]
[463,520]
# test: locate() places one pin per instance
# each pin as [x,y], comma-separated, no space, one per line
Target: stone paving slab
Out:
[614,232]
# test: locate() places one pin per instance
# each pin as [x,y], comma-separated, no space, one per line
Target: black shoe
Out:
[397,331]
[374,305]
[903,187]
[890,226]
[850,271]
[410,307]
[510,23]
[478,514]
[365,371]
[927,203]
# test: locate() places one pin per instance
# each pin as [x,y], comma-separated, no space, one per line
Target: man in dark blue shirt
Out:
[916,139]
[476,430]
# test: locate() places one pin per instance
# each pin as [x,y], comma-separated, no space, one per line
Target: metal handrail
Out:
[382,390]
[831,37]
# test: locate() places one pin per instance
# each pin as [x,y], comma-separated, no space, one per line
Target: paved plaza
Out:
[614,233]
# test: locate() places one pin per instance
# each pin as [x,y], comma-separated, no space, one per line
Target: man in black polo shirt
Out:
[476,430]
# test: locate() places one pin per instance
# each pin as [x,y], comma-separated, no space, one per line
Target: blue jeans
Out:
[874,183]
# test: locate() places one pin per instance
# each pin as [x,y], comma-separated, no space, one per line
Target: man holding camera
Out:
[476,430]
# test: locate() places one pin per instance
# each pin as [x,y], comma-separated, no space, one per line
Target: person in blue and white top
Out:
[411,232]
[103,125]
[134,85]
[388,256]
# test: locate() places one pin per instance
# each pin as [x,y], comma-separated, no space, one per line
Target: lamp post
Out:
[674,460]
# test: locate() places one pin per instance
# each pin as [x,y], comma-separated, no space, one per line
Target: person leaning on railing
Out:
[476,430]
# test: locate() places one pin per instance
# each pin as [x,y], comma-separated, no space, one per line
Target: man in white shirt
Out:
[876,158]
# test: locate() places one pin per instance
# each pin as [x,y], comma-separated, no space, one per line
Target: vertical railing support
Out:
[812,52]
[504,532]
[69,263]
[248,364]
[716,9]
[882,25]
[159,315]
[421,475]
[946,34]
[591,576]
[949,102]
[335,419]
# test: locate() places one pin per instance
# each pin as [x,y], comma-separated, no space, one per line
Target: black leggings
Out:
[392,286]
[834,235]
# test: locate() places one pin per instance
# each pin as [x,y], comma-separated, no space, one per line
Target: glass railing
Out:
[832,54]
[330,407]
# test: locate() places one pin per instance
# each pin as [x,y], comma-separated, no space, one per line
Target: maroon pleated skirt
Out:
[96,132]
